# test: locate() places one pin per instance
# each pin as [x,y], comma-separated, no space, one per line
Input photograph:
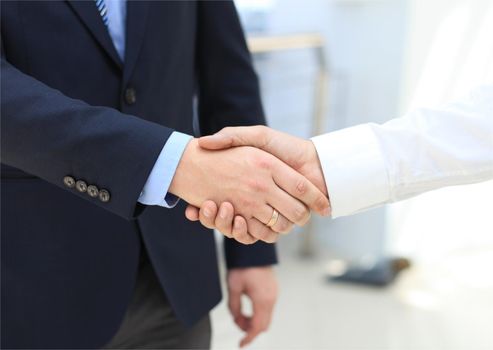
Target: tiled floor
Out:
[430,307]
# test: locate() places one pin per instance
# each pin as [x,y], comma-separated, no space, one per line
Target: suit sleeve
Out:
[229,95]
[51,136]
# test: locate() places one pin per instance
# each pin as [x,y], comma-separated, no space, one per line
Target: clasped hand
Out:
[235,188]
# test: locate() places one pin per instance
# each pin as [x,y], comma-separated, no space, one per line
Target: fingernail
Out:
[222,214]
[326,211]
[207,213]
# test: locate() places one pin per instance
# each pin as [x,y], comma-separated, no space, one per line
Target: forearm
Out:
[369,165]
[451,145]
[51,136]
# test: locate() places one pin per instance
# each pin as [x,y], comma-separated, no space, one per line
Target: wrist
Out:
[182,179]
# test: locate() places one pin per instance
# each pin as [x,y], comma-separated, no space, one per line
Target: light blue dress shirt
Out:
[155,191]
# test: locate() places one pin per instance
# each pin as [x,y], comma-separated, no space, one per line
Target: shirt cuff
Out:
[155,191]
[354,169]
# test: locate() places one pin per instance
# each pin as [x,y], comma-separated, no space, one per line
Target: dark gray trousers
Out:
[150,323]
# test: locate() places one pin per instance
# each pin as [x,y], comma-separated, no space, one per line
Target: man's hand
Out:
[300,154]
[260,285]
[254,182]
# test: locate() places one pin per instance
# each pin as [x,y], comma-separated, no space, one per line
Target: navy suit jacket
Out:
[70,107]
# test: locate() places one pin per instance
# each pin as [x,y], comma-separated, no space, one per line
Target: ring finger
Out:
[260,231]
[281,225]
[294,210]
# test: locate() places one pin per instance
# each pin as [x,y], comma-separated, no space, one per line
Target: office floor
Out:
[444,305]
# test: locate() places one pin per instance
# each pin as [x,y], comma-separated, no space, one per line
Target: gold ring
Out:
[274,218]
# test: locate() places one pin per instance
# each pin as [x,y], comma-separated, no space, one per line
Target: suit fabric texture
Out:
[71,108]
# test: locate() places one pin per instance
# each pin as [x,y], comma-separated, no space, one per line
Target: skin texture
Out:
[249,183]
[298,153]
[260,285]
[254,182]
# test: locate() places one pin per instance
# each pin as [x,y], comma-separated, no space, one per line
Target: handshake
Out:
[251,183]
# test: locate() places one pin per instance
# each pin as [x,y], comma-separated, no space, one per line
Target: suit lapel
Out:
[137,12]
[89,15]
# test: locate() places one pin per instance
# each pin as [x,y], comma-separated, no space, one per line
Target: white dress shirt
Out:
[369,165]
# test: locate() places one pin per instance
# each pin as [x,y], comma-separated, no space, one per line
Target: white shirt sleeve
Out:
[370,165]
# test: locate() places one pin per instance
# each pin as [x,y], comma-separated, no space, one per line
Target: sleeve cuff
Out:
[255,255]
[354,169]
[155,191]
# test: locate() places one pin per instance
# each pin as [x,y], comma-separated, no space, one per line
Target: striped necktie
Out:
[103,11]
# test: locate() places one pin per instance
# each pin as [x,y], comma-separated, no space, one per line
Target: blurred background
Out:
[330,64]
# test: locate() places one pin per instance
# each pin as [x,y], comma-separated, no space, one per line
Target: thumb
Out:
[290,149]
[234,305]
[254,136]
[216,141]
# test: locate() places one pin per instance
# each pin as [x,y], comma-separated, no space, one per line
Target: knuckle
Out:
[268,237]
[263,163]
[207,223]
[253,241]
[288,227]
[257,185]
[245,203]
[247,241]
[284,226]
[300,214]
[266,232]
[260,233]
[305,219]
[245,238]
[301,187]
[238,236]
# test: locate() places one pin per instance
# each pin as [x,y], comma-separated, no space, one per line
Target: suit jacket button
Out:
[69,181]
[130,96]
[104,196]
[92,191]
[81,186]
